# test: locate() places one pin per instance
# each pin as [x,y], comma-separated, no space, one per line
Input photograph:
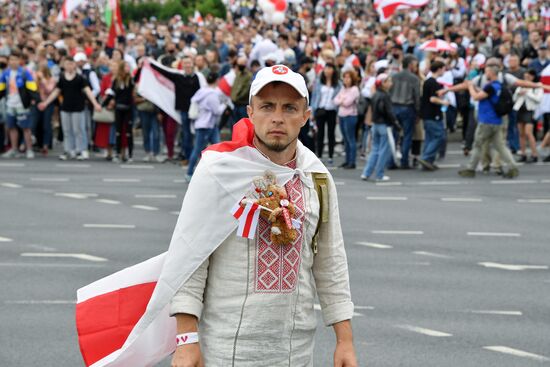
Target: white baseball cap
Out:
[80,56]
[278,73]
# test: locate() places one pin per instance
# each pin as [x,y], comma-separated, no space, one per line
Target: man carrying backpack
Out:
[489,131]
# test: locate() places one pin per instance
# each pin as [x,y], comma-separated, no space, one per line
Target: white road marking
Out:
[175,213]
[110,226]
[431,254]
[494,234]
[75,195]
[363,307]
[544,181]
[121,180]
[397,232]
[58,254]
[5,239]
[496,312]
[439,183]
[144,207]
[534,201]
[424,331]
[517,353]
[449,165]
[10,185]
[513,267]
[455,152]
[373,245]
[156,196]
[339,183]
[389,183]
[10,164]
[72,165]
[513,182]
[50,179]
[41,302]
[180,180]
[137,166]
[387,198]
[53,265]
[462,200]
[108,201]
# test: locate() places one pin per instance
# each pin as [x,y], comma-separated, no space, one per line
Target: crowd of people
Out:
[374,88]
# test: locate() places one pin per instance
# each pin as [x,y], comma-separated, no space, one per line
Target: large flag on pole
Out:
[123,320]
[386,8]
[113,18]
[67,8]
[158,88]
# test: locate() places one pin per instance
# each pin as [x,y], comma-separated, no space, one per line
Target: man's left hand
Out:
[344,355]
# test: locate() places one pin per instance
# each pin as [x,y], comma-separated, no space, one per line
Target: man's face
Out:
[14,62]
[187,65]
[513,62]
[278,112]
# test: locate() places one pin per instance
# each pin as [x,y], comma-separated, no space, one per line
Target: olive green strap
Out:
[321,186]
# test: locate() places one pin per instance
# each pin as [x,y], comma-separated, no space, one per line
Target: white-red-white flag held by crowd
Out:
[386,8]
[158,89]
[67,8]
[544,106]
[225,84]
[197,18]
[124,319]
[331,24]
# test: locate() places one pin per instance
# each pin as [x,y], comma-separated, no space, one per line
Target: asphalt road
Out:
[444,271]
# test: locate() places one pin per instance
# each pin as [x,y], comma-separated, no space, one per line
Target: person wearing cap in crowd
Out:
[382,118]
[234,309]
[541,61]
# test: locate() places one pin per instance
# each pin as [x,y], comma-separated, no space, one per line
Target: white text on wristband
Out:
[187,338]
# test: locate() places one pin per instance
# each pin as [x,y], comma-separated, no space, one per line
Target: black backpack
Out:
[505,102]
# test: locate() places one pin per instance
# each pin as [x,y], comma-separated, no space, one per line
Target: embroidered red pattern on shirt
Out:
[277,267]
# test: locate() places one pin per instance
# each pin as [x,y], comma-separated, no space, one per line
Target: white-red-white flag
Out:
[248,219]
[67,8]
[197,18]
[386,8]
[225,84]
[158,88]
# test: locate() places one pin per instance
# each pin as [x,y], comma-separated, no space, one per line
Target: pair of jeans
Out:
[513,133]
[186,138]
[380,151]
[492,135]
[406,115]
[347,125]
[71,123]
[325,118]
[46,118]
[435,136]
[150,129]
[202,138]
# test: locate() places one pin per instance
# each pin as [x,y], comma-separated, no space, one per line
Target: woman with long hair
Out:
[346,100]
[526,101]
[323,108]
[46,85]
[121,97]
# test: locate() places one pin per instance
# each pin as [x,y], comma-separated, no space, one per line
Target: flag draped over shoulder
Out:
[158,89]
[123,319]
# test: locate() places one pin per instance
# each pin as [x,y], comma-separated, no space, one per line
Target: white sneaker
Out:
[115,159]
[29,154]
[79,157]
[64,157]
[12,153]
[161,158]
[85,155]
[385,178]
[364,178]
[147,158]
[129,160]
[72,155]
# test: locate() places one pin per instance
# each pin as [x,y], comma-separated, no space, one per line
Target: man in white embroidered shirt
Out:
[251,302]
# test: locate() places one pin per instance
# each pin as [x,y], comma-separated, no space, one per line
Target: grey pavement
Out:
[444,271]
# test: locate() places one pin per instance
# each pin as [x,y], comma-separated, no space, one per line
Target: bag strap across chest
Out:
[320,181]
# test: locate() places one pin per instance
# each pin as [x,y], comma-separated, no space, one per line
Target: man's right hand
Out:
[188,355]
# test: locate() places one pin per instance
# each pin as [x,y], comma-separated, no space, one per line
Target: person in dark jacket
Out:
[382,118]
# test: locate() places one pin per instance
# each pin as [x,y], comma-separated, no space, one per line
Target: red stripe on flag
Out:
[239,212]
[104,322]
[224,87]
[249,219]
[545,79]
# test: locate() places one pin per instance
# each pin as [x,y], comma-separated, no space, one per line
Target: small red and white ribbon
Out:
[187,338]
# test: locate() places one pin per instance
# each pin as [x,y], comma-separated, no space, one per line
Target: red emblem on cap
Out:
[279,70]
